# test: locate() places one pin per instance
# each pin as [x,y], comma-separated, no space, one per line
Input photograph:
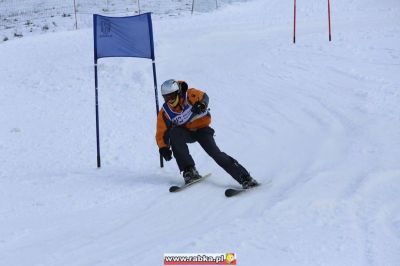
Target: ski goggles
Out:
[171,97]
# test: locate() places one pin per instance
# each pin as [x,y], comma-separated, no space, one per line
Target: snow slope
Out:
[319,119]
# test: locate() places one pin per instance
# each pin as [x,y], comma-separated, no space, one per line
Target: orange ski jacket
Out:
[186,101]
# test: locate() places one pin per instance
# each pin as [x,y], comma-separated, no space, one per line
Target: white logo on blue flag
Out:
[105,29]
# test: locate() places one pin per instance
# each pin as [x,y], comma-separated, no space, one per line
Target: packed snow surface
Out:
[319,120]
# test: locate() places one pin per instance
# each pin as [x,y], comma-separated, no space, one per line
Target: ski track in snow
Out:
[318,119]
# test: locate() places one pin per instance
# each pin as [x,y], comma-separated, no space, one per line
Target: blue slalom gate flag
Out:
[123,36]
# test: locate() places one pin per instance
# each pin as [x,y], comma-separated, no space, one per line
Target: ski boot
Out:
[190,174]
[247,181]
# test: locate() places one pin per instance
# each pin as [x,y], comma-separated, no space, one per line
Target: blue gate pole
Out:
[96,90]
[157,105]
[97,115]
[153,59]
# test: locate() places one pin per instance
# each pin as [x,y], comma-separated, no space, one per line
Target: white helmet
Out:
[169,86]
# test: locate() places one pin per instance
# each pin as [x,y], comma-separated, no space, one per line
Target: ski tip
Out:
[174,189]
[232,192]
[179,188]
[227,193]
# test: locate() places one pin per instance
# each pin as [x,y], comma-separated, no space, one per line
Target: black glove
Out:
[198,107]
[166,153]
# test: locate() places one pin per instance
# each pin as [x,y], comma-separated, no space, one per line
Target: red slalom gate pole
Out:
[294,22]
[329,19]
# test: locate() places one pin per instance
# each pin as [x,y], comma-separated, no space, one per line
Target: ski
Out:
[230,192]
[179,188]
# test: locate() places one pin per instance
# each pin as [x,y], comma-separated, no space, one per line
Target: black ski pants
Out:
[181,136]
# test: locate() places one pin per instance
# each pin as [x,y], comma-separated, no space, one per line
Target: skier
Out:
[185,118]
